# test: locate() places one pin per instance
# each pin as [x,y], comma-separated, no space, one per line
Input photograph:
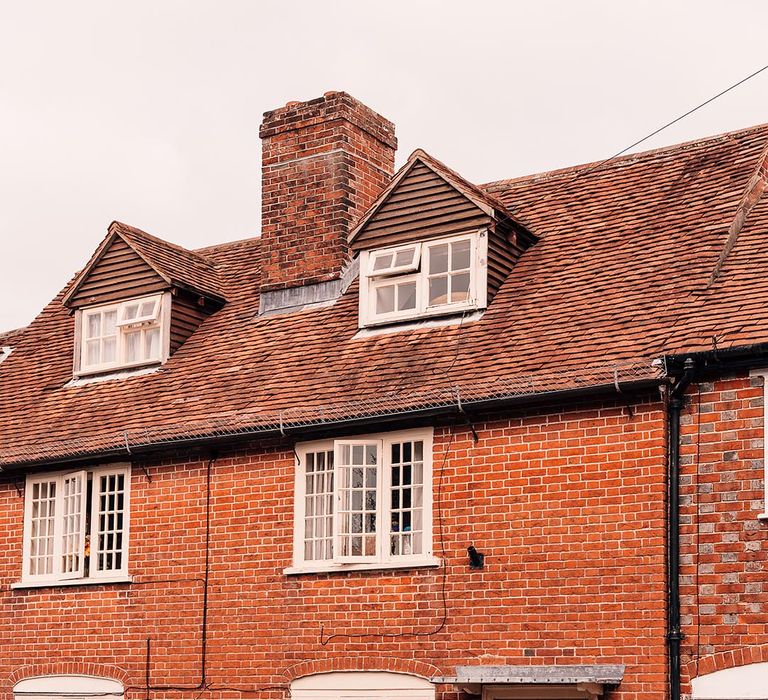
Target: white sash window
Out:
[429,278]
[123,335]
[76,525]
[364,502]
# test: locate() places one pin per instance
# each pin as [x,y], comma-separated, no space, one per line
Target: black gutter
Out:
[407,418]
[733,358]
[674,633]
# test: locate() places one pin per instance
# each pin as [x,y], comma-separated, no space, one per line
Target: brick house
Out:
[420,438]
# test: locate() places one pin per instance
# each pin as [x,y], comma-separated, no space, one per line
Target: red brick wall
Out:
[323,164]
[723,546]
[568,508]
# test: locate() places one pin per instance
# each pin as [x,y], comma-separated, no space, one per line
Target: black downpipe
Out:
[203,684]
[674,633]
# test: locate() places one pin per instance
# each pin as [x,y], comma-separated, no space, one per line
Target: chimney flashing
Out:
[309,296]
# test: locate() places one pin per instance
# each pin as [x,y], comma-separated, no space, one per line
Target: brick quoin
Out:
[324,162]
[724,593]
[566,503]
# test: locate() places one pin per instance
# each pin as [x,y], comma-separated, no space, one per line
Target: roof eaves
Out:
[136,238]
[309,421]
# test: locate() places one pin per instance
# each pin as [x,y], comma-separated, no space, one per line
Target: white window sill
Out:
[373,330]
[763,517]
[116,369]
[323,568]
[71,582]
[117,374]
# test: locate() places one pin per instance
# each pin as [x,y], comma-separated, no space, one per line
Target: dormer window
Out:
[122,335]
[395,261]
[433,244]
[427,278]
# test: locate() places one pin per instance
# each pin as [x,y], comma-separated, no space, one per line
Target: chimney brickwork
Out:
[324,162]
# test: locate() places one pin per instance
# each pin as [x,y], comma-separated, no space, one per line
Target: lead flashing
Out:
[285,301]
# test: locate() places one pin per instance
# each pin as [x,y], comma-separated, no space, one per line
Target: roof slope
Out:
[178,266]
[619,276]
[11,337]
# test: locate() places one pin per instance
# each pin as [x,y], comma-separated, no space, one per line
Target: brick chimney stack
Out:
[323,163]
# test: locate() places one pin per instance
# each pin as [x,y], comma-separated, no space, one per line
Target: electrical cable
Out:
[668,124]
[596,166]
[148,687]
[324,641]
[444,569]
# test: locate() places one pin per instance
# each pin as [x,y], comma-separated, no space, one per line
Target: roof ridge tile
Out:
[622,160]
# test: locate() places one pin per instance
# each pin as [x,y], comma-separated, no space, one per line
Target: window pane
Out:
[133,346]
[359,501]
[460,255]
[147,308]
[94,325]
[110,349]
[92,352]
[438,291]
[43,509]
[438,258]
[152,342]
[110,318]
[385,299]
[130,311]
[110,516]
[406,296]
[382,262]
[404,257]
[460,287]
[406,498]
[318,529]
[73,512]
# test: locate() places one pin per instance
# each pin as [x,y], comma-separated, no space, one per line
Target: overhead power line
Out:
[674,121]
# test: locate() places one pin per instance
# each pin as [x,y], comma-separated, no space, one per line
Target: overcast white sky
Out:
[148,111]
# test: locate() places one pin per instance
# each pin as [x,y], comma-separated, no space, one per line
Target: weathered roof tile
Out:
[619,277]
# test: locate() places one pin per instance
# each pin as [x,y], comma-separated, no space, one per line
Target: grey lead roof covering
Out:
[609,674]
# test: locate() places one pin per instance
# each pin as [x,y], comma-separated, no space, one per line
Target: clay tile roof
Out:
[178,266]
[184,268]
[10,337]
[622,274]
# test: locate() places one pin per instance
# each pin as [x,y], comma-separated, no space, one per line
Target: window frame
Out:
[362,685]
[383,559]
[763,373]
[413,266]
[58,576]
[375,283]
[161,318]
[369,282]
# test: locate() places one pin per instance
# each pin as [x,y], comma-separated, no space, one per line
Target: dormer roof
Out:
[135,262]
[433,202]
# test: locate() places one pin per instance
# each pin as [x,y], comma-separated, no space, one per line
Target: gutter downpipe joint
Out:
[674,632]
